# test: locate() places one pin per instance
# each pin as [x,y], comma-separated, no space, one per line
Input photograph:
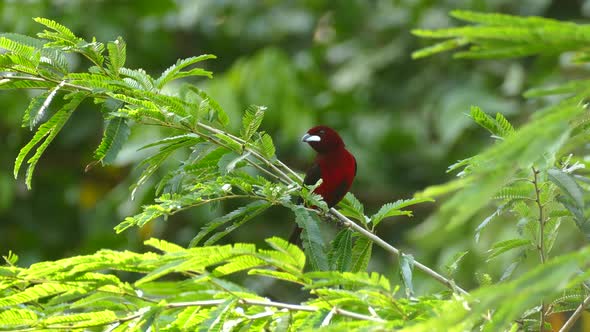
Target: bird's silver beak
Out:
[310,138]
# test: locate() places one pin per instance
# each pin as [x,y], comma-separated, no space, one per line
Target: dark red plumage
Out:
[333,164]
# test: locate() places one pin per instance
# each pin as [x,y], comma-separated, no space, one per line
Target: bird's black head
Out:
[323,139]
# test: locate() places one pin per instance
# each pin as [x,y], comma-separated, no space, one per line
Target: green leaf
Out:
[501,36]
[406,266]
[568,186]
[115,135]
[453,265]
[25,51]
[230,143]
[283,246]
[84,319]
[445,188]
[251,121]
[486,222]
[351,207]
[173,140]
[496,19]
[286,276]
[237,264]
[266,146]
[24,39]
[509,271]
[167,204]
[499,126]
[46,133]
[352,281]
[53,129]
[35,292]
[361,254]
[570,299]
[314,320]
[211,108]
[33,110]
[580,219]
[231,160]
[53,63]
[11,258]
[516,191]
[505,128]
[244,214]
[16,317]
[550,232]
[175,71]
[168,146]
[95,81]
[142,79]
[164,246]
[395,209]
[62,33]
[36,115]
[217,317]
[503,246]
[189,319]
[444,46]
[93,51]
[117,55]
[194,260]
[573,86]
[313,243]
[13,83]
[340,255]
[146,321]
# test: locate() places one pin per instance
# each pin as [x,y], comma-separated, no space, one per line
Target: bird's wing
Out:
[338,194]
[341,190]
[313,175]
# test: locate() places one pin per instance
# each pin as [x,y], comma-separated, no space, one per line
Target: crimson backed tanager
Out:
[333,164]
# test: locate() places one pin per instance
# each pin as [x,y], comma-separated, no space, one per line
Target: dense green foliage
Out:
[533,174]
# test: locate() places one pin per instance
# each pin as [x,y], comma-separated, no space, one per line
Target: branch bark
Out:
[575,316]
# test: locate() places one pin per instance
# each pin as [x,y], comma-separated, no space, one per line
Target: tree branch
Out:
[541,244]
[575,316]
[273,304]
[391,249]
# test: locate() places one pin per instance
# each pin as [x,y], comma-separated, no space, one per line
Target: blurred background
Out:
[345,64]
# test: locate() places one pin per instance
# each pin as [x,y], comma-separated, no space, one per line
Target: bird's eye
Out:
[322,132]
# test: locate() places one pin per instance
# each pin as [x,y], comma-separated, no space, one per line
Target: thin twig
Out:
[245,144]
[43,79]
[541,244]
[280,305]
[574,317]
[289,170]
[388,247]
[210,303]
[258,167]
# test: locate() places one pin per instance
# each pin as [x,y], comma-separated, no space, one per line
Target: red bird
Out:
[333,164]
